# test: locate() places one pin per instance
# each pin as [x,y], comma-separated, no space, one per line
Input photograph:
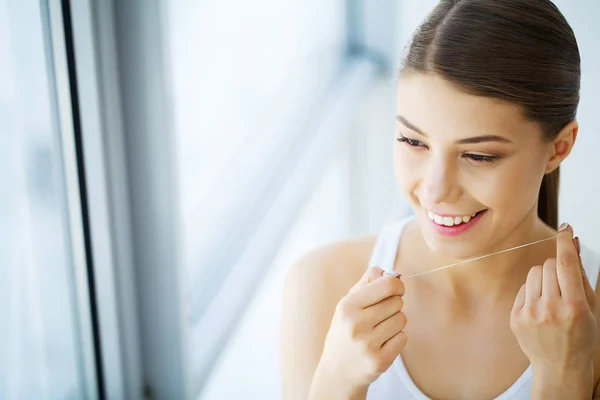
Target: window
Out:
[45,341]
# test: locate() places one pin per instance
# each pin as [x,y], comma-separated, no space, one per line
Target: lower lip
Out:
[458,229]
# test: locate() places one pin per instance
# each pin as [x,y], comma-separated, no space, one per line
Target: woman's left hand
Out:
[554,314]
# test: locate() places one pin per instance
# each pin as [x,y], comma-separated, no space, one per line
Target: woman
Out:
[487,99]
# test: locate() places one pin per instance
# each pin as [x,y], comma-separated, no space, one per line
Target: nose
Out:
[440,182]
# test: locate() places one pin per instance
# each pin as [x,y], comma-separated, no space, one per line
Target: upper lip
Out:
[451,215]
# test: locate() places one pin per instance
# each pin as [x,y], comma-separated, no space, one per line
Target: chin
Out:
[454,251]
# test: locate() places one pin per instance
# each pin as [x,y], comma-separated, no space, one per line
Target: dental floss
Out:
[467,261]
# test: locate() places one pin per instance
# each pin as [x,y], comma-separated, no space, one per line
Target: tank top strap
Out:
[386,246]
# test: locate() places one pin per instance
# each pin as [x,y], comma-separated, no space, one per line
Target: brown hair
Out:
[519,51]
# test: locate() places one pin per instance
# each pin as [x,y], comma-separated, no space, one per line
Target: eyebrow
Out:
[469,140]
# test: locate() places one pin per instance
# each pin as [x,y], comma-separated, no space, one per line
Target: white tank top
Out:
[396,383]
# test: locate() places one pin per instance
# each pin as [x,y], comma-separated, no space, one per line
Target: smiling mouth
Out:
[448,221]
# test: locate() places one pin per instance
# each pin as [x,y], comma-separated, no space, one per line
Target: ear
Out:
[561,145]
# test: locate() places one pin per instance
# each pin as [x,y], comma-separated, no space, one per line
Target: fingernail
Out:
[565,229]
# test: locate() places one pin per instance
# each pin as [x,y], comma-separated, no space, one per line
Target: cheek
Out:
[512,188]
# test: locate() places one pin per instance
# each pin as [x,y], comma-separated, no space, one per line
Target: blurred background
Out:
[163,163]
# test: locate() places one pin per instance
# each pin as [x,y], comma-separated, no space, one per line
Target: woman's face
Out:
[459,155]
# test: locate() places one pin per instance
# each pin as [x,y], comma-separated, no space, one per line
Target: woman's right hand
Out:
[365,335]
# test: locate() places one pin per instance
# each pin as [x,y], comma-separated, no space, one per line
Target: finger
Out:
[386,329]
[533,285]
[567,265]
[550,286]
[379,289]
[590,294]
[394,346]
[381,311]
[519,299]
[370,275]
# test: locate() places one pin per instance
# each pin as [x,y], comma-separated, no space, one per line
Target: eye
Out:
[410,142]
[481,158]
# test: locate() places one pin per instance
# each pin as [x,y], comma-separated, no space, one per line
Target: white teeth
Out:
[449,221]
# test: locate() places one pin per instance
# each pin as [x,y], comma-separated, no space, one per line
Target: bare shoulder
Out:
[336,265]
[313,287]
[323,275]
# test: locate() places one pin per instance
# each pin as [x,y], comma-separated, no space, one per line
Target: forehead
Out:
[439,108]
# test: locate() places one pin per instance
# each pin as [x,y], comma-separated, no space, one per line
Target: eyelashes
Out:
[481,159]
[410,142]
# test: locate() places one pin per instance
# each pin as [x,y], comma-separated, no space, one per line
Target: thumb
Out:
[370,275]
[590,294]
